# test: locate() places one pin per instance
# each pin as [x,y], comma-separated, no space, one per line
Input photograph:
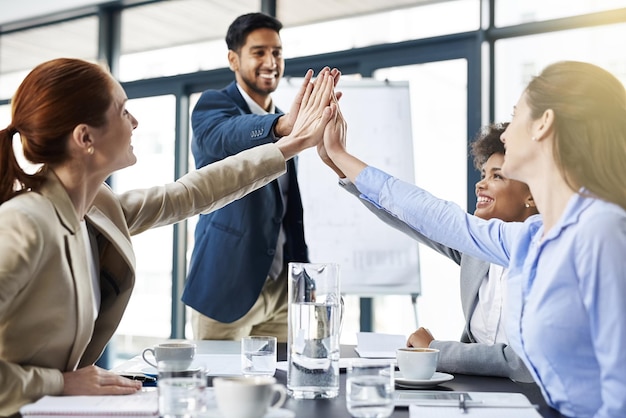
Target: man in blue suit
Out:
[237,283]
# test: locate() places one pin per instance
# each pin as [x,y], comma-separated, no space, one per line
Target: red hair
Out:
[53,99]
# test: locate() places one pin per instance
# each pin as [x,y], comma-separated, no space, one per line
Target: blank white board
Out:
[374,258]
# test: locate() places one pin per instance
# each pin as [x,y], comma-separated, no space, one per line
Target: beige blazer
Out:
[47,323]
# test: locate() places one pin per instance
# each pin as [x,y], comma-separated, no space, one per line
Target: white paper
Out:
[138,404]
[214,364]
[479,405]
[377,345]
[220,364]
[421,411]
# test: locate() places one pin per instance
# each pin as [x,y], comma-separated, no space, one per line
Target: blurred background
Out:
[464,63]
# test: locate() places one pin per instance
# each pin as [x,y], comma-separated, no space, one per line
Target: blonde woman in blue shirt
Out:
[567,281]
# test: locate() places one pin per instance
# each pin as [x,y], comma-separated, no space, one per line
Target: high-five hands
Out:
[335,133]
[316,106]
[284,124]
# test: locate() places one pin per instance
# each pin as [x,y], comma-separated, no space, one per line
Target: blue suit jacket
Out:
[235,245]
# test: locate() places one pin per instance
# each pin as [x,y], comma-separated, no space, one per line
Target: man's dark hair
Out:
[487,143]
[240,28]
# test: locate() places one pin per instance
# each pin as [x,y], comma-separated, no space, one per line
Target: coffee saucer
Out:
[272,413]
[435,380]
[151,371]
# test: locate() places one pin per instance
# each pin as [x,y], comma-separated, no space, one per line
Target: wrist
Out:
[288,147]
[279,127]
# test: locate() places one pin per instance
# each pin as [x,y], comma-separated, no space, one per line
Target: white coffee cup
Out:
[178,354]
[417,363]
[248,396]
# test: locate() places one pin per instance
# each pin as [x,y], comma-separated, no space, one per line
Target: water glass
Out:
[180,392]
[369,389]
[258,355]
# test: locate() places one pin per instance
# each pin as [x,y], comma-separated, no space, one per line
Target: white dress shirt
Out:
[487,321]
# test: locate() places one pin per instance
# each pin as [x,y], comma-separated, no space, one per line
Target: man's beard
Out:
[255,88]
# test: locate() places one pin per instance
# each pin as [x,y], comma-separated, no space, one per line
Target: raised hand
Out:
[335,132]
[285,123]
[314,113]
[93,380]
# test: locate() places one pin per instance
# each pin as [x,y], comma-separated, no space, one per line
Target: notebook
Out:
[138,404]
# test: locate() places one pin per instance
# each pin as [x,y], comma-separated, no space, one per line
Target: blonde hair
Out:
[589,105]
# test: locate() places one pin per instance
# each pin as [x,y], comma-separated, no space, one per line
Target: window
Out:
[518,59]
[391,26]
[514,12]
[148,316]
[22,51]
[177,37]
[439,122]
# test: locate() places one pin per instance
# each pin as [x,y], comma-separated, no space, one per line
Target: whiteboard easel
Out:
[374,258]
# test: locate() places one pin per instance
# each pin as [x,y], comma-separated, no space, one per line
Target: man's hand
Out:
[315,112]
[284,124]
[93,380]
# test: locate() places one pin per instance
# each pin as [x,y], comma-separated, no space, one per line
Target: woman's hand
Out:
[335,133]
[92,380]
[420,338]
[285,123]
[333,150]
[314,114]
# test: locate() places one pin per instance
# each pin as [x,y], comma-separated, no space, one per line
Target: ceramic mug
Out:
[179,354]
[417,363]
[248,396]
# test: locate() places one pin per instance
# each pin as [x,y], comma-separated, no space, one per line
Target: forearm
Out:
[348,164]
[400,225]
[221,128]
[480,359]
[440,220]
[25,384]
[203,190]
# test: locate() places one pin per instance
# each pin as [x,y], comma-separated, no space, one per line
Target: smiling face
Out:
[259,64]
[112,141]
[500,197]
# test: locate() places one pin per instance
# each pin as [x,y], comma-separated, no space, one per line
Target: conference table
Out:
[336,407]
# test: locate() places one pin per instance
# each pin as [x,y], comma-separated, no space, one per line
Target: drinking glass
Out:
[369,389]
[258,355]
[180,392]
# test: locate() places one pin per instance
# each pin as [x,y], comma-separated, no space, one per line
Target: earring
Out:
[90,150]
[534,139]
[526,205]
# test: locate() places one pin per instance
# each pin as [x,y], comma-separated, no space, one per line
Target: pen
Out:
[462,405]
[141,377]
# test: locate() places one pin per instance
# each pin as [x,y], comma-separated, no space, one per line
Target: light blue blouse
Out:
[566,306]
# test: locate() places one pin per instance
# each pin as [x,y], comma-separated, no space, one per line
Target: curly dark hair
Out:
[240,28]
[487,142]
